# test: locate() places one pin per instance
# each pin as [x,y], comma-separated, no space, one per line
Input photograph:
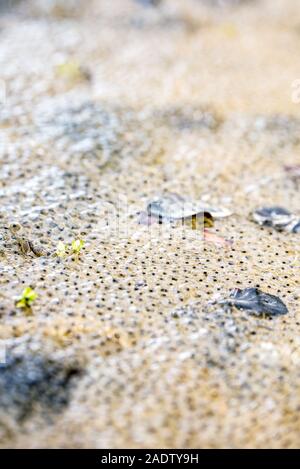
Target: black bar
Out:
[147,457]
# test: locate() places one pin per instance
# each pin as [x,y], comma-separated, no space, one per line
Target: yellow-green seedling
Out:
[62,249]
[77,245]
[73,72]
[27,298]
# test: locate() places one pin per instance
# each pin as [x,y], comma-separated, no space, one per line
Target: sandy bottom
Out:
[103,107]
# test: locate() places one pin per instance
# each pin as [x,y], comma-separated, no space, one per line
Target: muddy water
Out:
[102,109]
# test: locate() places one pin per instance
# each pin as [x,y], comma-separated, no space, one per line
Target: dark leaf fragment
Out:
[253,299]
[216,240]
[296,228]
[276,217]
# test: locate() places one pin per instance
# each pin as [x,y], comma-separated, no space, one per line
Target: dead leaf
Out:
[216,240]
[253,299]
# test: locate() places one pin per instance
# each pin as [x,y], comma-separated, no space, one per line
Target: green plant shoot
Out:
[77,245]
[61,249]
[27,298]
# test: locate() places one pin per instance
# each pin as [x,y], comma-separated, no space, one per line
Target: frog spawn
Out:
[129,369]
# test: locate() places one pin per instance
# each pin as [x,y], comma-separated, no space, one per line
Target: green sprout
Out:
[73,72]
[27,298]
[62,249]
[77,245]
